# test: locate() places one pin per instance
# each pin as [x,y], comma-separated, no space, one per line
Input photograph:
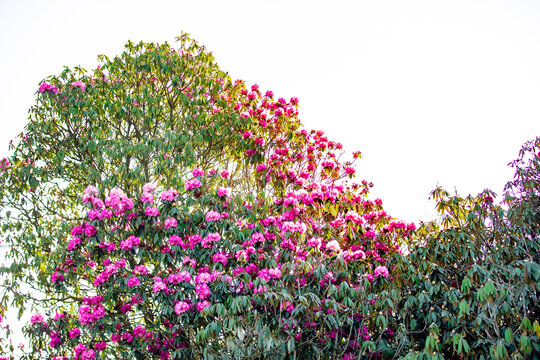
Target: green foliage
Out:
[475,278]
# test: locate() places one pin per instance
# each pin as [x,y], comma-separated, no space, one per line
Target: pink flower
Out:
[247,134]
[201,305]
[170,223]
[46,87]
[148,188]
[224,191]
[37,319]
[4,163]
[152,211]
[101,345]
[79,84]
[175,240]
[333,245]
[128,243]
[198,172]
[213,216]
[73,333]
[133,281]
[220,258]
[56,277]
[141,270]
[381,271]
[260,167]
[192,184]
[181,307]
[159,286]
[139,331]
[90,230]
[169,195]
[203,291]
[224,174]
[315,242]
[125,308]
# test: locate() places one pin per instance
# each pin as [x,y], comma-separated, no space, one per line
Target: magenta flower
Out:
[46,87]
[198,172]
[192,184]
[220,258]
[133,281]
[203,291]
[37,319]
[101,345]
[73,333]
[201,305]
[152,211]
[139,331]
[56,277]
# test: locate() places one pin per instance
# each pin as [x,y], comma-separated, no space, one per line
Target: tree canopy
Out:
[156,208]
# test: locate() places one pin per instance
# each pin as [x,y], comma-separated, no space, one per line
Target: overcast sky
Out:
[430,92]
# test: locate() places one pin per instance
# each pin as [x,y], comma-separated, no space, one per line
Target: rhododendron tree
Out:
[156,208]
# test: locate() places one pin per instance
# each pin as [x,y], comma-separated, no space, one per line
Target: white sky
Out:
[431,92]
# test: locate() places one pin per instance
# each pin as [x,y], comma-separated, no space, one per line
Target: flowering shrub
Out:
[218,227]
[256,282]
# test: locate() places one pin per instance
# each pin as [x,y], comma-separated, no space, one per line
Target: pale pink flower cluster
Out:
[117,200]
[213,216]
[334,246]
[169,195]
[148,193]
[79,84]
[354,217]
[170,223]
[381,271]
[182,276]
[181,307]
[315,242]
[224,191]
[159,285]
[294,227]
